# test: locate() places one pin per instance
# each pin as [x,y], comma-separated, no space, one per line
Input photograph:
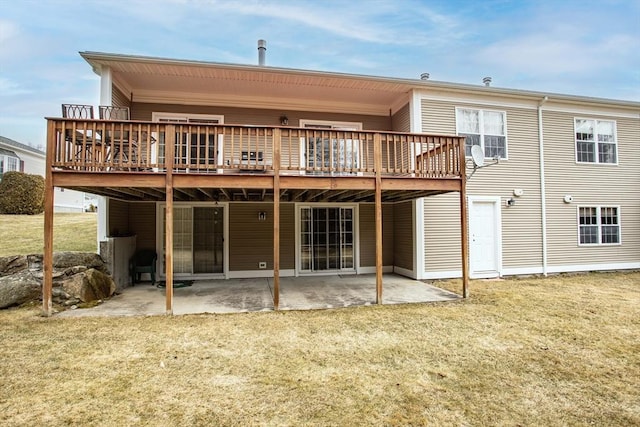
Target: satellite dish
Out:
[477,155]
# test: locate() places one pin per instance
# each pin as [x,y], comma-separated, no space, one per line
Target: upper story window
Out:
[486,128]
[598,225]
[596,141]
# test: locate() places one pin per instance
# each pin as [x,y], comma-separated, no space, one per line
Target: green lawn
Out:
[23,234]
[563,350]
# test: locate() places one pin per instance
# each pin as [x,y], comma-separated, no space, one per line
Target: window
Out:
[485,128]
[8,164]
[193,148]
[598,225]
[338,155]
[596,141]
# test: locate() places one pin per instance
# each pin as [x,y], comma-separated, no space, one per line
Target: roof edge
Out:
[93,57]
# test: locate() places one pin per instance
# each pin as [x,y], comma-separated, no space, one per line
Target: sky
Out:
[577,47]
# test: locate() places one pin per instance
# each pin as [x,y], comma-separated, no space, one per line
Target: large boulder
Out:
[64,260]
[12,264]
[18,288]
[89,285]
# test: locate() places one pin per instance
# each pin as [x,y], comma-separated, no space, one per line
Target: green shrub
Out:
[21,194]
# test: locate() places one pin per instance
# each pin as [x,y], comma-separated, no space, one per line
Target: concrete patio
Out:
[244,295]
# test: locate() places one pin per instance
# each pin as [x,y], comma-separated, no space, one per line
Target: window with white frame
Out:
[330,154]
[596,141]
[486,128]
[598,225]
[8,164]
[192,148]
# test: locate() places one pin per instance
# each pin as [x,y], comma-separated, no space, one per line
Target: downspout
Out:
[543,191]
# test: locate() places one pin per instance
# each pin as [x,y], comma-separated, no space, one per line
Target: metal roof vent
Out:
[487,81]
[424,76]
[262,51]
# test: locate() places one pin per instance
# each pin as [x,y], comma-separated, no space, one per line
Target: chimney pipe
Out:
[424,76]
[262,50]
[487,81]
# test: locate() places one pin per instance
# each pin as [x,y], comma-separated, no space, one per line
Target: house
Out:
[231,171]
[15,156]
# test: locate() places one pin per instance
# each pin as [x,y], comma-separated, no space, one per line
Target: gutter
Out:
[543,190]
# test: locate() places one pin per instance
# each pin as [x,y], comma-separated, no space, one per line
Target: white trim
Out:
[543,186]
[250,274]
[103,219]
[356,236]
[444,274]
[419,264]
[497,209]
[520,271]
[599,225]
[156,116]
[405,272]
[372,269]
[106,86]
[335,125]
[594,267]
[595,141]
[415,111]
[481,128]
[554,269]
[160,243]
[558,104]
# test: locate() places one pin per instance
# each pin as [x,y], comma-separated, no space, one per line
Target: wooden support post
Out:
[170,140]
[464,228]
[47,284]
[377,154]
[276,218]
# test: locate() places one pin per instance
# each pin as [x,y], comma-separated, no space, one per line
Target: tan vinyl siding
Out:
[521,224]
[404,231]
[118,218]
[118,98]
[590,185]
[254,116]
[401,120]
[251,241]
[367,225]
[442,232]
[142,223]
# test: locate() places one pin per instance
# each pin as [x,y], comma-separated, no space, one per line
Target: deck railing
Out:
[135,146]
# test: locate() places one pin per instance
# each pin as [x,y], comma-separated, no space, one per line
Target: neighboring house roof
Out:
[4,152]
[144,78]
[7,142]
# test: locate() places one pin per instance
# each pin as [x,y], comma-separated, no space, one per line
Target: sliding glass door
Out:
[198,239]
[326,239]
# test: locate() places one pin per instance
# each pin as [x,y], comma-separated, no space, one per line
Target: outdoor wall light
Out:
[511,202]
[284,120]
[262,216]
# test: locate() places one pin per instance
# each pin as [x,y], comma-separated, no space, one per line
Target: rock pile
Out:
[78,277]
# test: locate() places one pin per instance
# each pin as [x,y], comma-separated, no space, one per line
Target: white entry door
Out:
[485,245]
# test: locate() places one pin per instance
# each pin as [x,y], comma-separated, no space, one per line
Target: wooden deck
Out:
[135,160]
[128,160]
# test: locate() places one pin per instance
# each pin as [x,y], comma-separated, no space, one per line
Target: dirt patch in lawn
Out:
[553,351]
